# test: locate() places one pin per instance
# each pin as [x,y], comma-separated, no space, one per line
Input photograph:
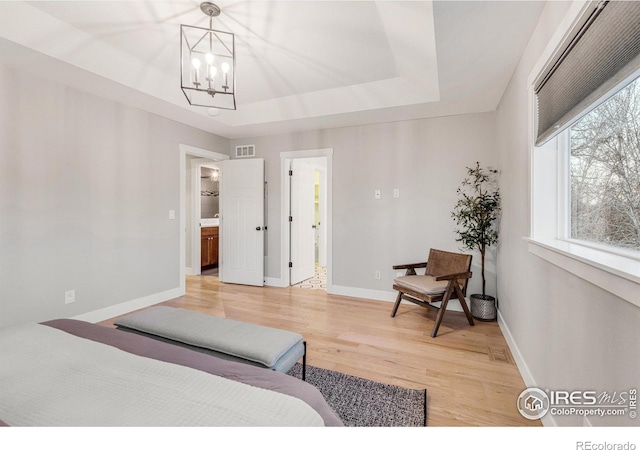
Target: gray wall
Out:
[425,159]
[86,186]
[571,334]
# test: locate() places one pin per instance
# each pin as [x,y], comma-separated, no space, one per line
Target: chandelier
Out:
[208,64]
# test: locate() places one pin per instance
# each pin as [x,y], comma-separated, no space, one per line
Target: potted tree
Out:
[476,213]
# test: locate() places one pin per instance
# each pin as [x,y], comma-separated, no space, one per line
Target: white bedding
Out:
[51,378]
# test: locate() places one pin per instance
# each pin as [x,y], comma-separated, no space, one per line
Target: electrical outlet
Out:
[69,296]
[377,194]
[377,274]
[172,214]
[396,193]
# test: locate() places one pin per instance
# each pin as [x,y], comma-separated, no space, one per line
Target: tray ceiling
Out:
[300,64]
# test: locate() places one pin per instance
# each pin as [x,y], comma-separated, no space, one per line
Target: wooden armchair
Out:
[446,273]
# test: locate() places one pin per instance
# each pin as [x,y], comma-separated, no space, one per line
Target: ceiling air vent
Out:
[245,151]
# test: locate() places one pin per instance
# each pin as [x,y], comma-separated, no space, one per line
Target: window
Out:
[604,168]
[585,159]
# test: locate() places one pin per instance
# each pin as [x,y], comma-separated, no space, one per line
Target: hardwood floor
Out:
[469,372]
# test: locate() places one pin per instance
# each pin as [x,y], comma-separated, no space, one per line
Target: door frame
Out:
[185,150]
[285,202]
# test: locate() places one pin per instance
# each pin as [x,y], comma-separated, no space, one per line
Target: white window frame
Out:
[564,185]
[613,270]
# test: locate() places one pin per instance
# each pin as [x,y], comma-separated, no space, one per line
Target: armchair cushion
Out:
[424,284]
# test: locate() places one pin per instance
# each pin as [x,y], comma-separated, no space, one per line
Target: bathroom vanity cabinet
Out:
[209,246]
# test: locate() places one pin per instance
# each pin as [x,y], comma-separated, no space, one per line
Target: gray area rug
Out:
[365,403]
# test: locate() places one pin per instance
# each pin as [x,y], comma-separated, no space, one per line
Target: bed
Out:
[72,373]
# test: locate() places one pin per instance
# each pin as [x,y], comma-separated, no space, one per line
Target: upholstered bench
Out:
[225,338]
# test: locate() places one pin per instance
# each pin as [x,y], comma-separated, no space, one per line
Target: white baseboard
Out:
[275,282]
[370,294]
[385,296]
[527,376]
[127,307]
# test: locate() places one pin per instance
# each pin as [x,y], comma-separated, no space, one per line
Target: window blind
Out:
[601,53]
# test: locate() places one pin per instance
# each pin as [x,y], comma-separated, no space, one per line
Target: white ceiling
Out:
[301,65]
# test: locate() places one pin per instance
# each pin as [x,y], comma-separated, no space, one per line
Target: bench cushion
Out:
[257,343]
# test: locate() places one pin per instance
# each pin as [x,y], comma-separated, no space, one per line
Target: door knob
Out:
[258,228]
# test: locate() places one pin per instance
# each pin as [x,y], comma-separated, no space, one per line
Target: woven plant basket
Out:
[483,307]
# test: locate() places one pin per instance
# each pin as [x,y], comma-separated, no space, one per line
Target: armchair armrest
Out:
[411,268]
[455,276]
[420,265]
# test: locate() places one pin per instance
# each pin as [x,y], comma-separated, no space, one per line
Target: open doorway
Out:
[306,226]
[191,158]
[209,214]
[204,230]
[307,237]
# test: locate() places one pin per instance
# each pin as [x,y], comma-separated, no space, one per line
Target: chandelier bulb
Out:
[196,73]
[225,67]
[209,58]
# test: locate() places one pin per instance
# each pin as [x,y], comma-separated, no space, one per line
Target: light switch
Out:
[69,296]
[172,214]
[377,194]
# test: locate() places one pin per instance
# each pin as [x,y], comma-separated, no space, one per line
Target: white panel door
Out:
[242,221]
[302,221]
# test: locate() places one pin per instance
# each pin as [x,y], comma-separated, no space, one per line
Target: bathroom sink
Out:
[210,222]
